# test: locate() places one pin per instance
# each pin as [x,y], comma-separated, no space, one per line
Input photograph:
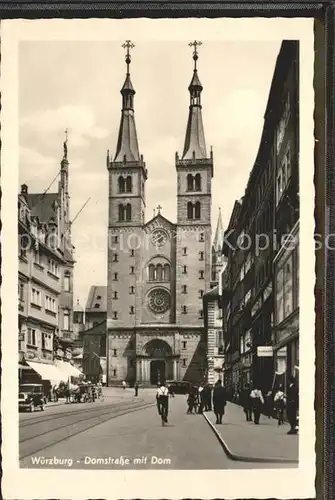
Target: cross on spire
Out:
[159,208]
[195,46]
[128,45]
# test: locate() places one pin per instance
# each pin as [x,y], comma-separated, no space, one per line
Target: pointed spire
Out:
[127,145]
[219,234]
[195,146]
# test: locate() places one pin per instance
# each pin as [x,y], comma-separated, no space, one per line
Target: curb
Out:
[240,458]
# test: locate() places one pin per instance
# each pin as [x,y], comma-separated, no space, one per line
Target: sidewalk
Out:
[242,440]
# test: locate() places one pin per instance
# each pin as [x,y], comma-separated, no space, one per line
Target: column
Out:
[138,370]
[145,364]
[175,371]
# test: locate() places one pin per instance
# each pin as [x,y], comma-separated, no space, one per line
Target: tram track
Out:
[27,422]
[36,443]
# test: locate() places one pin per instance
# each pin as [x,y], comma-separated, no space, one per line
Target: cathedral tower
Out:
[194,179]
[127,176]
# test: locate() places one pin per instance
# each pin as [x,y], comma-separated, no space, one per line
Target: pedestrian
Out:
[292,406]
[124,384]
[209,396]
[68,394]
[219,401]
[279,404]
[136,386]
[201,396]
[191,401]
[247,402]
[257,403]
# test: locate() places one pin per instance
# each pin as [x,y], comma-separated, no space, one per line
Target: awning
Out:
[47,372]
[68,369]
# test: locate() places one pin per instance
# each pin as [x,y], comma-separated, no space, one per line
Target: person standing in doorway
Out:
[257,403]
[292,405]
[219,401]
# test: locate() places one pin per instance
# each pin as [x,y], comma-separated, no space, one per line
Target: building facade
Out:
[158,270]
[46,265]
[286,222]
[96,306]
[257,224]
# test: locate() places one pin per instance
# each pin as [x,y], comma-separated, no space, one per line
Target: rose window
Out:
[159,301]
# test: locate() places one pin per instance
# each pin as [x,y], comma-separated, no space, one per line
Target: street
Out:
[122,432]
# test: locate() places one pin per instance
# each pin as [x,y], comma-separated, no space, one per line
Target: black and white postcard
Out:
[158,258]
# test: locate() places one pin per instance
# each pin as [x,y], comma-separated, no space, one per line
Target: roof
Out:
[99,329]
[195,82]
[78,307]
[128,85]
[127,145]
[213,293]
[97,299]
[43,205]
[162,219]
[195,136]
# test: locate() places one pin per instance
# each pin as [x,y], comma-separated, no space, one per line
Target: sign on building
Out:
[265,351]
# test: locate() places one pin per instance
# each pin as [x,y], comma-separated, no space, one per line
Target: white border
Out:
[261,483]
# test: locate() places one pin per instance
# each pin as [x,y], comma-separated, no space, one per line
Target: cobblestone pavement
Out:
[123,432]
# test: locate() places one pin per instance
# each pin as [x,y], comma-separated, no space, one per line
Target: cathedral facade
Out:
[158,270]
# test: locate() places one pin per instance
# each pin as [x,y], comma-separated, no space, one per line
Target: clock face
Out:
[159,237]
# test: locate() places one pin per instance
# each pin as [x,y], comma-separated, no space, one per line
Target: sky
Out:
[76,85]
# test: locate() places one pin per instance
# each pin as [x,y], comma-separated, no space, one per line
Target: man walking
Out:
[257,403]
[219,401]
[247,403]
[292,406]
[136,386]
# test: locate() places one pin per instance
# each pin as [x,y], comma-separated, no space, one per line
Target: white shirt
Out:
[163,391]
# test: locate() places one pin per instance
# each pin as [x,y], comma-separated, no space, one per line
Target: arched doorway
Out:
[159,353]
[157,371]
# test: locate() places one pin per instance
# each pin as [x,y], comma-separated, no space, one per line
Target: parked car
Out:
[177,387]
[31,396]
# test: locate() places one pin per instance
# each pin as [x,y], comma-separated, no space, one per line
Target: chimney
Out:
[24,189]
